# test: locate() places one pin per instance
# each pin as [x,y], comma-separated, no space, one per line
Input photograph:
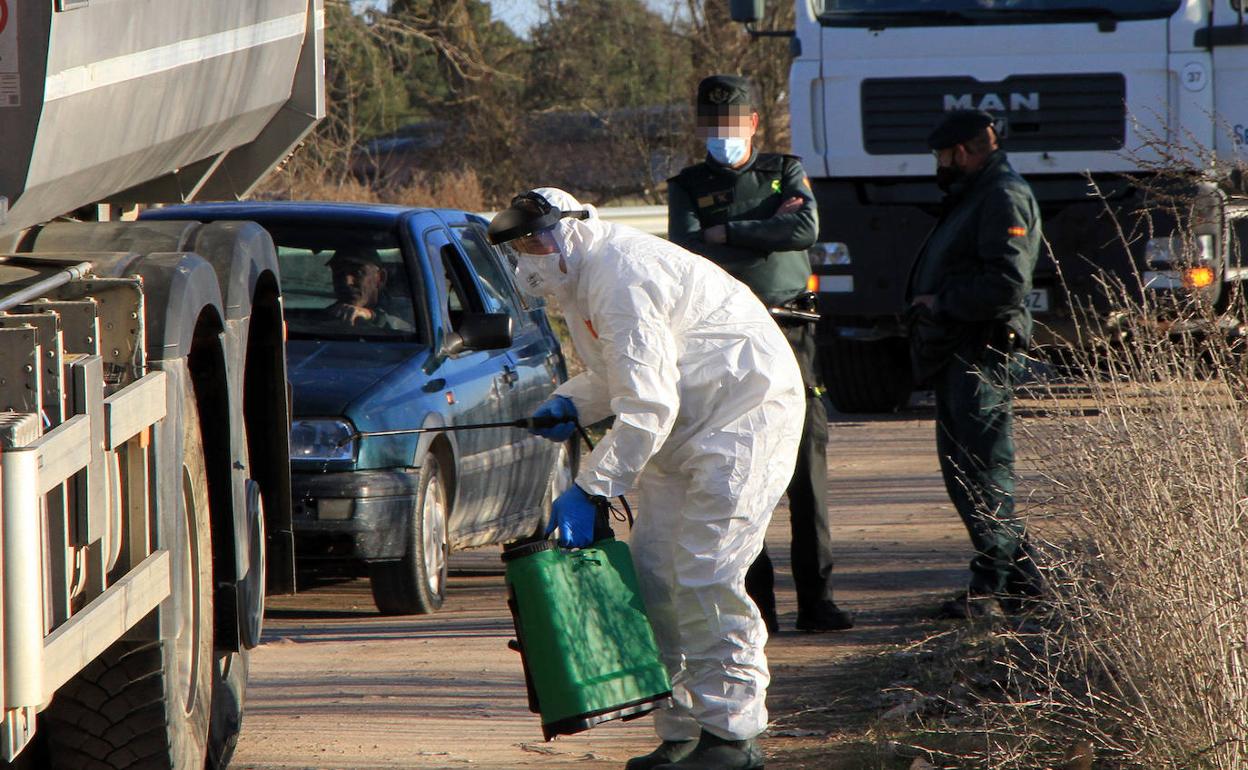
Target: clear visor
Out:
[538,244]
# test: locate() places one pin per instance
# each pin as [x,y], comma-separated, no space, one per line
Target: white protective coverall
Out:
[709,404]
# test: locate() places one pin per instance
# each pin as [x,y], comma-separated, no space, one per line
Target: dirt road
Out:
[334,685]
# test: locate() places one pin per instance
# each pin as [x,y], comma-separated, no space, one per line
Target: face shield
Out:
[526,232]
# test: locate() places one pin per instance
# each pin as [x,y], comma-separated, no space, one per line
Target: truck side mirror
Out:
[746,11]
[480,331]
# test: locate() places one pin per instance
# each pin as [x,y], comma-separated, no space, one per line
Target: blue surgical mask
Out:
[728,150]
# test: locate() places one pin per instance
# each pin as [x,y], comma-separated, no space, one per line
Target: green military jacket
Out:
[978,262]
[765,252]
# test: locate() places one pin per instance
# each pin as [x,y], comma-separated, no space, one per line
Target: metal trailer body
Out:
[1089,97]
[144,459]
[138,101]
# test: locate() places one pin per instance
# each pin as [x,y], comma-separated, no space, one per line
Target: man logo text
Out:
[993,102]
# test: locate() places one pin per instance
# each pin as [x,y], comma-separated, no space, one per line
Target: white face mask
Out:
[538,275]
[728,150]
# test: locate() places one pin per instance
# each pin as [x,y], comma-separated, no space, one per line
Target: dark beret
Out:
[719,92]
[958,126]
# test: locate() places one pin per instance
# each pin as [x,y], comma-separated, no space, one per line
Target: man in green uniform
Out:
[754,215]
[968,319]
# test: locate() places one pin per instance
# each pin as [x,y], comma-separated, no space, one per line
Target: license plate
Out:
[1037,300]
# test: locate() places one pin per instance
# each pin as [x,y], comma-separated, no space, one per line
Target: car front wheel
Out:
[416,584]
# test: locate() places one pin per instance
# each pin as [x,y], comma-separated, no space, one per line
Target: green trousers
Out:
[975,440]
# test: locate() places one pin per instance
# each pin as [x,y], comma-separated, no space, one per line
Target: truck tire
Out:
[867,377]
[145,705]
[416,584]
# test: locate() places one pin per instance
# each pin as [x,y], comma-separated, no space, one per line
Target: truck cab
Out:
[1101,102]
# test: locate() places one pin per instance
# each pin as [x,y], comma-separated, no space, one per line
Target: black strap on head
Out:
[528,213]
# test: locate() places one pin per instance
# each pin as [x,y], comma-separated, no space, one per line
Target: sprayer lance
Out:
[528,423]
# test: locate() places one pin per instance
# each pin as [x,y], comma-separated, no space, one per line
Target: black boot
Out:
[666,753]
[823,616]
[715,753]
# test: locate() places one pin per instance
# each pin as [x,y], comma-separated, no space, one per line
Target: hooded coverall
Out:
[708,404]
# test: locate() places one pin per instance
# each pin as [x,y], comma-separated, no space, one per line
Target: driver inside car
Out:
[359,285]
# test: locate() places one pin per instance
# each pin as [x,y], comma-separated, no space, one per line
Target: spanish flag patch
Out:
[1017,232]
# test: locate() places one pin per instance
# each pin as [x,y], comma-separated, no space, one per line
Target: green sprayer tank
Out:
[588,650]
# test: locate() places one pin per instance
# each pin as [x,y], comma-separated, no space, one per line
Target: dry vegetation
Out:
[1136,473]
[616,78]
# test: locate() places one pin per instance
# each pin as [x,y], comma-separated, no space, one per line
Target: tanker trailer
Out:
[144,460]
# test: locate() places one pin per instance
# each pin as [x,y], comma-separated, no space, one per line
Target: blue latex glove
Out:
[573,516]
[560,408]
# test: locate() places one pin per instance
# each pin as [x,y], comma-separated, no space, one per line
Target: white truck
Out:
[1085,87]
[144,462]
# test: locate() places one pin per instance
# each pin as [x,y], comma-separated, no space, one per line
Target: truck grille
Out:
[1045,112]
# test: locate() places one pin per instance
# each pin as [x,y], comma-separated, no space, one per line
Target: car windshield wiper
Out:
[882,19]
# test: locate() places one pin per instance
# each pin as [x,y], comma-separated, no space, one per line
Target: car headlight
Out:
[322,440]
[822,254]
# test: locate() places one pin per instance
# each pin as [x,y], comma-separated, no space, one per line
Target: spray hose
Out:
[527,423]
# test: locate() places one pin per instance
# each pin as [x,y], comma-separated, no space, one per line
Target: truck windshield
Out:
[922,13]
[343,283]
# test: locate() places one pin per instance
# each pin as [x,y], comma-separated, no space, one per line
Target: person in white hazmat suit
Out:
[708,404]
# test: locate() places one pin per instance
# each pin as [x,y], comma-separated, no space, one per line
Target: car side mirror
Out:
[746,11]
[480,331]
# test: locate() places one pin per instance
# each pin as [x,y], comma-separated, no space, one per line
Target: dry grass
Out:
[1134,469]
[1136,474]
[452,189]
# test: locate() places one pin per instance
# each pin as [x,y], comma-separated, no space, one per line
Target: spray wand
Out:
[527,423]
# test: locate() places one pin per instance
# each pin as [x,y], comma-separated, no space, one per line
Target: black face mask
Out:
[948,176]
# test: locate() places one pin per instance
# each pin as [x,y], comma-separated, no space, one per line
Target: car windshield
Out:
[887,13]
[344,283]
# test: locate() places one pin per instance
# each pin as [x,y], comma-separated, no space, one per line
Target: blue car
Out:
[400,319]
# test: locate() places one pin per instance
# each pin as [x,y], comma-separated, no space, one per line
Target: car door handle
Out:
[510,376]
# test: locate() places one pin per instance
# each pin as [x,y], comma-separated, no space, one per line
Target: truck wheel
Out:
[865,377]
[416,584]
[146,704]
